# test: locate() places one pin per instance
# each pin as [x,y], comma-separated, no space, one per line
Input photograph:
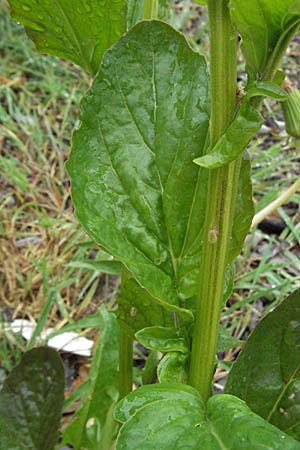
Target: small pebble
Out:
[25,242]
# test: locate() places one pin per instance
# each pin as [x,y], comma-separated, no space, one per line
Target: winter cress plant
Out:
[161,181]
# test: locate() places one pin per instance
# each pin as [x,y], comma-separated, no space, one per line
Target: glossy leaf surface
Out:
[181,421]
[94,426]
[267,372]
[173,368]
[133,177]
[266,26]
[162,339]
[145,395]
[80,30]
[31,402]
[134,184]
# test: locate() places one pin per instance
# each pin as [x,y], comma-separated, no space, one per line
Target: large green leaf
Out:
[176,418]
[80,30]
[266,26]
[133,177]
[134,184]
[31,402]
[267,372]
[94,426]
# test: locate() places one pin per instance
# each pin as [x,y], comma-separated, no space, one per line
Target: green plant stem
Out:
[222,190]
[150,9]
[125,363]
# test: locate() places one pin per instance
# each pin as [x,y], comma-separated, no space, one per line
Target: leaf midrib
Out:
[216,435]
[283,391]
[154,89]
[169,246]
[147,146]
[131,202]
[74,35]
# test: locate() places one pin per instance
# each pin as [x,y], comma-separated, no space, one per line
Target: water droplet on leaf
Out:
[133,311]
[37,27]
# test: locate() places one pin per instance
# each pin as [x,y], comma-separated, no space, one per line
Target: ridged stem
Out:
[222,191]
[150,9]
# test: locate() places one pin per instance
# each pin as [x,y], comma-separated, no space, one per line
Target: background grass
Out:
[46,259]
